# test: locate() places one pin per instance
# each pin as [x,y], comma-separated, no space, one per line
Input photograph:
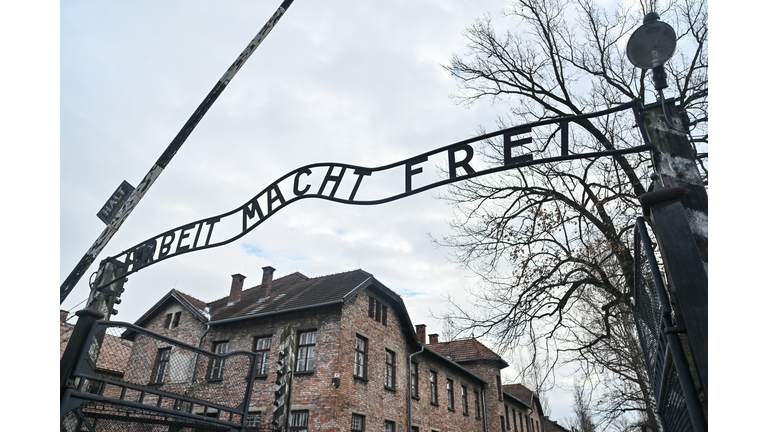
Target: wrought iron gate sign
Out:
[351,184]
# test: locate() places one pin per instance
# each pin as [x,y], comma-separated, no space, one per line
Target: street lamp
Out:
[649,47]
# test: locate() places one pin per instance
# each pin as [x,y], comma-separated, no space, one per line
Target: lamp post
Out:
[677,205]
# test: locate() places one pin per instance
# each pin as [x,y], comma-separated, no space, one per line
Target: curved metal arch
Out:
[198,234]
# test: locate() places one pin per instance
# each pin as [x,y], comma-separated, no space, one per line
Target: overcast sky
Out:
[336,81]
[353,82]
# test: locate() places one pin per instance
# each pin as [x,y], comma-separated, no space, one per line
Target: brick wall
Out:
[489,370]
[428,416]
[368,396]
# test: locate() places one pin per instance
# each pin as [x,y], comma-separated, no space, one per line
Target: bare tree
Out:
[583,421]
[552,243]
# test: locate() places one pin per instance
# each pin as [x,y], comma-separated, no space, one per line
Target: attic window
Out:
[377,310]
[172,320]
[279,297]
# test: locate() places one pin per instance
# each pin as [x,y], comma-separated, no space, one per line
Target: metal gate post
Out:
[675,163]
[684,268]
[76,345]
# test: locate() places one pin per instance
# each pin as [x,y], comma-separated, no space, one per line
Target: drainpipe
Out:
[410,365]
[197,355]
[485,415]
[530,414]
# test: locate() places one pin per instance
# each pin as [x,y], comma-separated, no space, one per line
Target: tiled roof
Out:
[288,293]
[195,302]
[524,394]
[294,291]
[466,349]
[519,391]
[65,331]
[114,354]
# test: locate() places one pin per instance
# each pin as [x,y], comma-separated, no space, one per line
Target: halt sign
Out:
[115,202]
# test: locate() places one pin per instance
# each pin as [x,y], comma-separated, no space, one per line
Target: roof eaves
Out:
[499,359]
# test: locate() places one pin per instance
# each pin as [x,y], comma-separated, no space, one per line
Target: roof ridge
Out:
[278,279]
[258,286]
[316,281]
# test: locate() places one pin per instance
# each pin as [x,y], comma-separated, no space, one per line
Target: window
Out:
[216,368]
[377,310]
[414,429]
[161,365]
[358,423]
[389,426]
[389,373]
[477,404]
[172,320]
[506,411]
[498,386]
[305,359]
[433,387]
[501,417]
[361,357]
[415,380]
[514,420]
[299,421]
[464,402]
[450,394]
[253,420]
[371,307]
[261,346]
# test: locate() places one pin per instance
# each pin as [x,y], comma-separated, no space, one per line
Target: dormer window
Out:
[377,310]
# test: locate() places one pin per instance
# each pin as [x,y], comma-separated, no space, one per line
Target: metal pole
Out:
[165,158]
[675,163]
[75,346]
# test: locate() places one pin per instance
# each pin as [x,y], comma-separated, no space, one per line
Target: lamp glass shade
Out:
[653,36]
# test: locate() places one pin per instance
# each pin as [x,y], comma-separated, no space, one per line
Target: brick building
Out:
[356,349]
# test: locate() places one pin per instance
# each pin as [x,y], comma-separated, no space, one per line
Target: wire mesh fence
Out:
[130,376]
[115,418]
[654,321]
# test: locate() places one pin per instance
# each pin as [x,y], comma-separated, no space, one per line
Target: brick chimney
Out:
[421,333]
[63,315]
[266,279]
[237,288]
[433,338]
